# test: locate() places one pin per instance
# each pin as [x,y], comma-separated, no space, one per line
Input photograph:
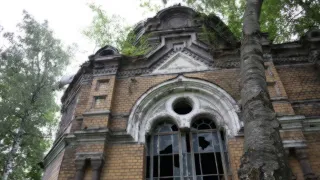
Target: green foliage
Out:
[284,20]
[106,30]
[30,65]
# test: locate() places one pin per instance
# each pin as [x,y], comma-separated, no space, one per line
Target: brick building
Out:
[173,113]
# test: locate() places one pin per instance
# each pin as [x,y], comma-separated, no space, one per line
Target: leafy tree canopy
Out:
[31,62]
[112,30]
[284,20]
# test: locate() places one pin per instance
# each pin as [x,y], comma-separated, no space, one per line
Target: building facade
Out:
[174,113]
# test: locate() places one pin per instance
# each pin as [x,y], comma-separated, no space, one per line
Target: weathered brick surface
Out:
[52,171]
[124,162]
[90,148]
[308,109]
[275,86]
[118,124]
[88,173]
[235,149]
[128,91]
[97,90]
[301,82]
[313,142]
[227,79]
[95,122]
[283,108]
[292,135]
[295,167]
[82,100]
[67,168]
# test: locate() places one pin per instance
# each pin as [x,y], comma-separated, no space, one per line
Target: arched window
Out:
[163,153]
[199,154]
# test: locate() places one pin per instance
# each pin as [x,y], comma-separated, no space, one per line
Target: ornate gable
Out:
[180,62]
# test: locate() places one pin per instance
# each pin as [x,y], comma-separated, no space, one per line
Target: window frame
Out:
[182,136]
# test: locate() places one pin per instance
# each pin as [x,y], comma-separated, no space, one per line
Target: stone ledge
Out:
[294,143]
[96,113]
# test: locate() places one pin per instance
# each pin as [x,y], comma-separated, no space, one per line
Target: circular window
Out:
[182,106]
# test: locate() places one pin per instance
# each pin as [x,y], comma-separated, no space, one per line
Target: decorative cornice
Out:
[57,148]
[299,122]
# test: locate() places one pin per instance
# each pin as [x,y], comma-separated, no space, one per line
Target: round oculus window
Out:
[182,106]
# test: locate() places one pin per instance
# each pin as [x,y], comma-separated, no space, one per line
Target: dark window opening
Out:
[208,163]
[182,106]
[107,52]
[219,162]
[222,135]
[166,163]
[197,164]
[155,166]
[203,143]
[148,169]
[188,142]
[315,34]
[174,128]
[167,150]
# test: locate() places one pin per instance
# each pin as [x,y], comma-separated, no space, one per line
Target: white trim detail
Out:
[207,99]
[180,62]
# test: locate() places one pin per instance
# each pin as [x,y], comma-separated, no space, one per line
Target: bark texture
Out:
[264,157]
[14,149]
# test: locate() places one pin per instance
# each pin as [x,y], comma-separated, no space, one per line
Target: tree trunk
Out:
[14,148]
[264,157]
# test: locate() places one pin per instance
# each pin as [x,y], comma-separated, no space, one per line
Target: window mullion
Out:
[151,158]
[192,156]
[158,156]
[222,157]
[180,156]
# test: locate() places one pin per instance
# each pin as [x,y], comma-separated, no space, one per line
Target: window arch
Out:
[198,154]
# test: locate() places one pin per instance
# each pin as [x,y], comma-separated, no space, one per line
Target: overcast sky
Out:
[68,18]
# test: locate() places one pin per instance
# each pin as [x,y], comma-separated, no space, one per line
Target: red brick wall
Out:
[301,82]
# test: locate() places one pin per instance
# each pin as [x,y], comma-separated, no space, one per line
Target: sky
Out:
[67,18]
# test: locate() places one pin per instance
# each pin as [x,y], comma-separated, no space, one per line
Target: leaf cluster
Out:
[112,30]
[284,20]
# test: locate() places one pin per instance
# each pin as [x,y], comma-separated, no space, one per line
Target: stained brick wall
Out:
[313,142]
[124,161]
[52,171]
[128,91]
[301,81]
[307,109]
[67,169]
[235,149]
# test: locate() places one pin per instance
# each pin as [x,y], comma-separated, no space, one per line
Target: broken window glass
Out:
[200,154]
[205,142]
[165,144]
